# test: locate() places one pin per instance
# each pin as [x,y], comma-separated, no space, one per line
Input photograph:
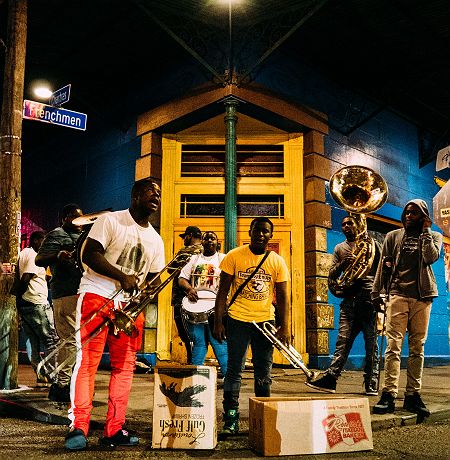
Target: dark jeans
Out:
[240,335]
[38,326]
[356,316]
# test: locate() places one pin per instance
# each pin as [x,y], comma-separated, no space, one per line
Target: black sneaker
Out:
[121,438]
[326,383]
[413,403]
[43,381]
[231,423]
[385,405]
[59,394]
[75,440]
[371,388]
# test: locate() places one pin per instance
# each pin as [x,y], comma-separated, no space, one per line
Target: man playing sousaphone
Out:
[200,281]
[357,315]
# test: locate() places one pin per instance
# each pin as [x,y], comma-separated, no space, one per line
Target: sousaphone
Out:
[358,190]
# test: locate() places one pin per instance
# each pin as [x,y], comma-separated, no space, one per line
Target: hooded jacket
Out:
[430,243]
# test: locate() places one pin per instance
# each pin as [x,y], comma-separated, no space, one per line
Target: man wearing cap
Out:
[192,238]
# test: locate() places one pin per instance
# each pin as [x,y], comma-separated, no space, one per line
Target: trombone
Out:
[123,319]
[289,352]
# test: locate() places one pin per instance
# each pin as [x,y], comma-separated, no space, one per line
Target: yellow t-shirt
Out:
[254,303]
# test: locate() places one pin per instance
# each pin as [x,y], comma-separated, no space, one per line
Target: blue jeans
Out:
[201,336]
[356,316]
[37,325]
[240,335]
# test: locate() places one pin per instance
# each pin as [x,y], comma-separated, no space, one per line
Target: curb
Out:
[17,409]
[389,421]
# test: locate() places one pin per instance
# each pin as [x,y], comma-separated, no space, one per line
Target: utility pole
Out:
[10,186]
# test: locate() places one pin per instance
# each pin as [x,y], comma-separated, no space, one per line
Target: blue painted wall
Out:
[96,169]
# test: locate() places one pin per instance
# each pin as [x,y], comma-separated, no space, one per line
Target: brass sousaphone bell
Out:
[358,190]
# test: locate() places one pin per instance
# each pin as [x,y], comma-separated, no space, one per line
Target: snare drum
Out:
[198,312]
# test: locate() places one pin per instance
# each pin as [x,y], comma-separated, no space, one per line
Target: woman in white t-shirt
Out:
[200,281]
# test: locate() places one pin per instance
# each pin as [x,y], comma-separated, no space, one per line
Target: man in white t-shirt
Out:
[199,280]
[122,251]
[32,304]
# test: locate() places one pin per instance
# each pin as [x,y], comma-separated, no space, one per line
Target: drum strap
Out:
[242,286]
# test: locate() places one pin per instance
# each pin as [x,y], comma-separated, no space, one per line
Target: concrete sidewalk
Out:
[30,402]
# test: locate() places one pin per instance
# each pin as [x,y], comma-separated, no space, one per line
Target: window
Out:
[252,160]
[247,206]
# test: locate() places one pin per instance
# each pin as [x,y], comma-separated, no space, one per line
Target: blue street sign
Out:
[60,96]
[48,114]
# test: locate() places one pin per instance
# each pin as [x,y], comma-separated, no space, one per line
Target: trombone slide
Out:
[289,352]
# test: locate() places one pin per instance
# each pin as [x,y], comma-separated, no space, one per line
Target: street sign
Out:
[48,114]
[60,96]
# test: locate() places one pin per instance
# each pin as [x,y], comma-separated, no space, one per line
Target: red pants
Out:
[122,352]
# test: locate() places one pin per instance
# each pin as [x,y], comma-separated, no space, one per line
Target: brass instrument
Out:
[124,319]
[358,190]
[289,352]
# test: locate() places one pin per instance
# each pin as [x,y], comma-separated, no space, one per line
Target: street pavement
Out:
[30,402]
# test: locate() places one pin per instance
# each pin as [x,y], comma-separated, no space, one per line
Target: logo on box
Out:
[347,428]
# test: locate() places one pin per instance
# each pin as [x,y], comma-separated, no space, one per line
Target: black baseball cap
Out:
[191,230]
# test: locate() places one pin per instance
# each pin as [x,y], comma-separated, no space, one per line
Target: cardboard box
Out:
[294,426]
[184,408]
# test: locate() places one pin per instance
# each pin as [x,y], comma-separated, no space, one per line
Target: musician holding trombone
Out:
[122,251]
[58,253]
[255,285]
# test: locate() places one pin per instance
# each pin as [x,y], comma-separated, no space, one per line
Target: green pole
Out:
[230,174]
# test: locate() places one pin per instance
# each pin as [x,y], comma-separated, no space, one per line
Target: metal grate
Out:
[247,206]
[252,160]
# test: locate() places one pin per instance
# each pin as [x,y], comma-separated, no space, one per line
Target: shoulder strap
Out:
[242,286]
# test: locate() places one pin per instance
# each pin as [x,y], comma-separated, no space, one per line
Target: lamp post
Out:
[230,173]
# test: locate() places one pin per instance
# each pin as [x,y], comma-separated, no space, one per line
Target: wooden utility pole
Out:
[10,186]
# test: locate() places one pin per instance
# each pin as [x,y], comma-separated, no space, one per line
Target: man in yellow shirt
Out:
[253,303]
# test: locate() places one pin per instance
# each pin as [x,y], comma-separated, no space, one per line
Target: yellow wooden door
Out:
[280,243]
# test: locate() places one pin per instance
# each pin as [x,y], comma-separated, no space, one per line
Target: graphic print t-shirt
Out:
[203,272]
[128,246]
[254,303]
[407,273]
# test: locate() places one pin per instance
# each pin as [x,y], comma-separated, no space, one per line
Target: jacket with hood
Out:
[430,243]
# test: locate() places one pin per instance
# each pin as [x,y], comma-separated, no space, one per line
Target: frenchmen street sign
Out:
[55,115]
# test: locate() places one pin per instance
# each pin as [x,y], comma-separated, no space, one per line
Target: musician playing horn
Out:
[122,250]
[254,303]
[200,278]
[58,253]
[357,314]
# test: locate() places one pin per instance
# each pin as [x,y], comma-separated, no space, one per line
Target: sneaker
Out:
[43,381]
[413,403]
[231,422]
[326,383]
[59,394]
[385,405]
[75,440]
[121,438]
[371,388]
